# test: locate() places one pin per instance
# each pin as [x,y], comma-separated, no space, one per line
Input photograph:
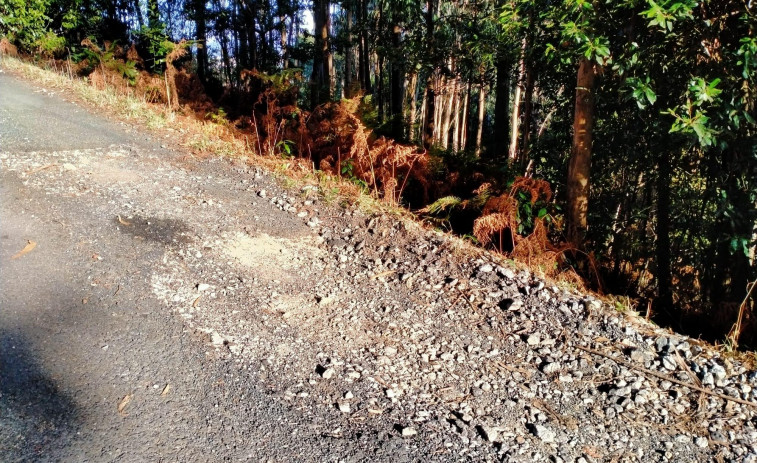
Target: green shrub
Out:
[50,45]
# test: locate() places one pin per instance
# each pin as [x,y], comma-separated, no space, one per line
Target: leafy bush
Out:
[23,21]
[50,45]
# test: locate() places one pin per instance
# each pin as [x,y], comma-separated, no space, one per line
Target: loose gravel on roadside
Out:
[392,342]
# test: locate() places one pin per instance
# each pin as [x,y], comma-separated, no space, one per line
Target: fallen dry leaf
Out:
[123,403]
[165,390]
[29,246]
[592,451]
[382,274]
[40,169]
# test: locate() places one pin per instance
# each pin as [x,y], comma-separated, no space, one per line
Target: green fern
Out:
[442,204]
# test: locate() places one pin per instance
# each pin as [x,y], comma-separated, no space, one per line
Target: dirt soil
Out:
[155,306]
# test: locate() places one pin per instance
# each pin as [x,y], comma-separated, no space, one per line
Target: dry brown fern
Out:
[179,50]
[535,187]
[7,48]
[501,203]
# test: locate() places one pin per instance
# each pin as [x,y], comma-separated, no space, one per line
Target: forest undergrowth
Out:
[338,145]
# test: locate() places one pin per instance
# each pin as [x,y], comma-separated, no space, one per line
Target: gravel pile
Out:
[408,342]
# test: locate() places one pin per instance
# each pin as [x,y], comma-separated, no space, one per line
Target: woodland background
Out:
[611,143]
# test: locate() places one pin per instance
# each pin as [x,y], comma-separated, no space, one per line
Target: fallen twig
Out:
[667,378]
[735,332]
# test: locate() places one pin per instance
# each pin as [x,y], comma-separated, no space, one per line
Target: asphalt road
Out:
[92,366]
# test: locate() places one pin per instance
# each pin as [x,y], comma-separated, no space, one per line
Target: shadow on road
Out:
[36,417]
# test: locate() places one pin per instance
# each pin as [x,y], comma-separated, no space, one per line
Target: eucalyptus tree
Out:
[322,58]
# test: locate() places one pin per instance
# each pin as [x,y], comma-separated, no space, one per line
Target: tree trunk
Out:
[422,123]
[411,105]
[243,57]
[512,153]
[367,87]
[138,9]
[502,104]
[481,116]
[397,81]
[321,77]
[662,230]
[348,93]
[202,51]
[253,35]
[283,9]
[429,129]
[455,123]
[528,105]
[580,159]
[463,141]
[380,89]
[449,102]
[235,40]
[225,57]
[361,55]
[439,106]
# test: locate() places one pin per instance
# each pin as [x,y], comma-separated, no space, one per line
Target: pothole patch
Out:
[270,257]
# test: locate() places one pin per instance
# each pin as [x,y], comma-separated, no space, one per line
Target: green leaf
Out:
[650,94]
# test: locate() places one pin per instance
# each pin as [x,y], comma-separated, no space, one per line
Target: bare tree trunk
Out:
[380,89]
[253,35]
[235,43]
[225,57]
[322,64]
[361,55]
[463,129]
[442,105]
[243,57]
[512,153]
[202,51]
[429,128]
[528,106]
[502,104]
[455,116]
[662,230]
[580,160]
[331,69]
[364,49]
[450,93]
[411,105]
[138,9]
[348,53]
[283,39]
[422,125]
[397,80]
[481,116]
